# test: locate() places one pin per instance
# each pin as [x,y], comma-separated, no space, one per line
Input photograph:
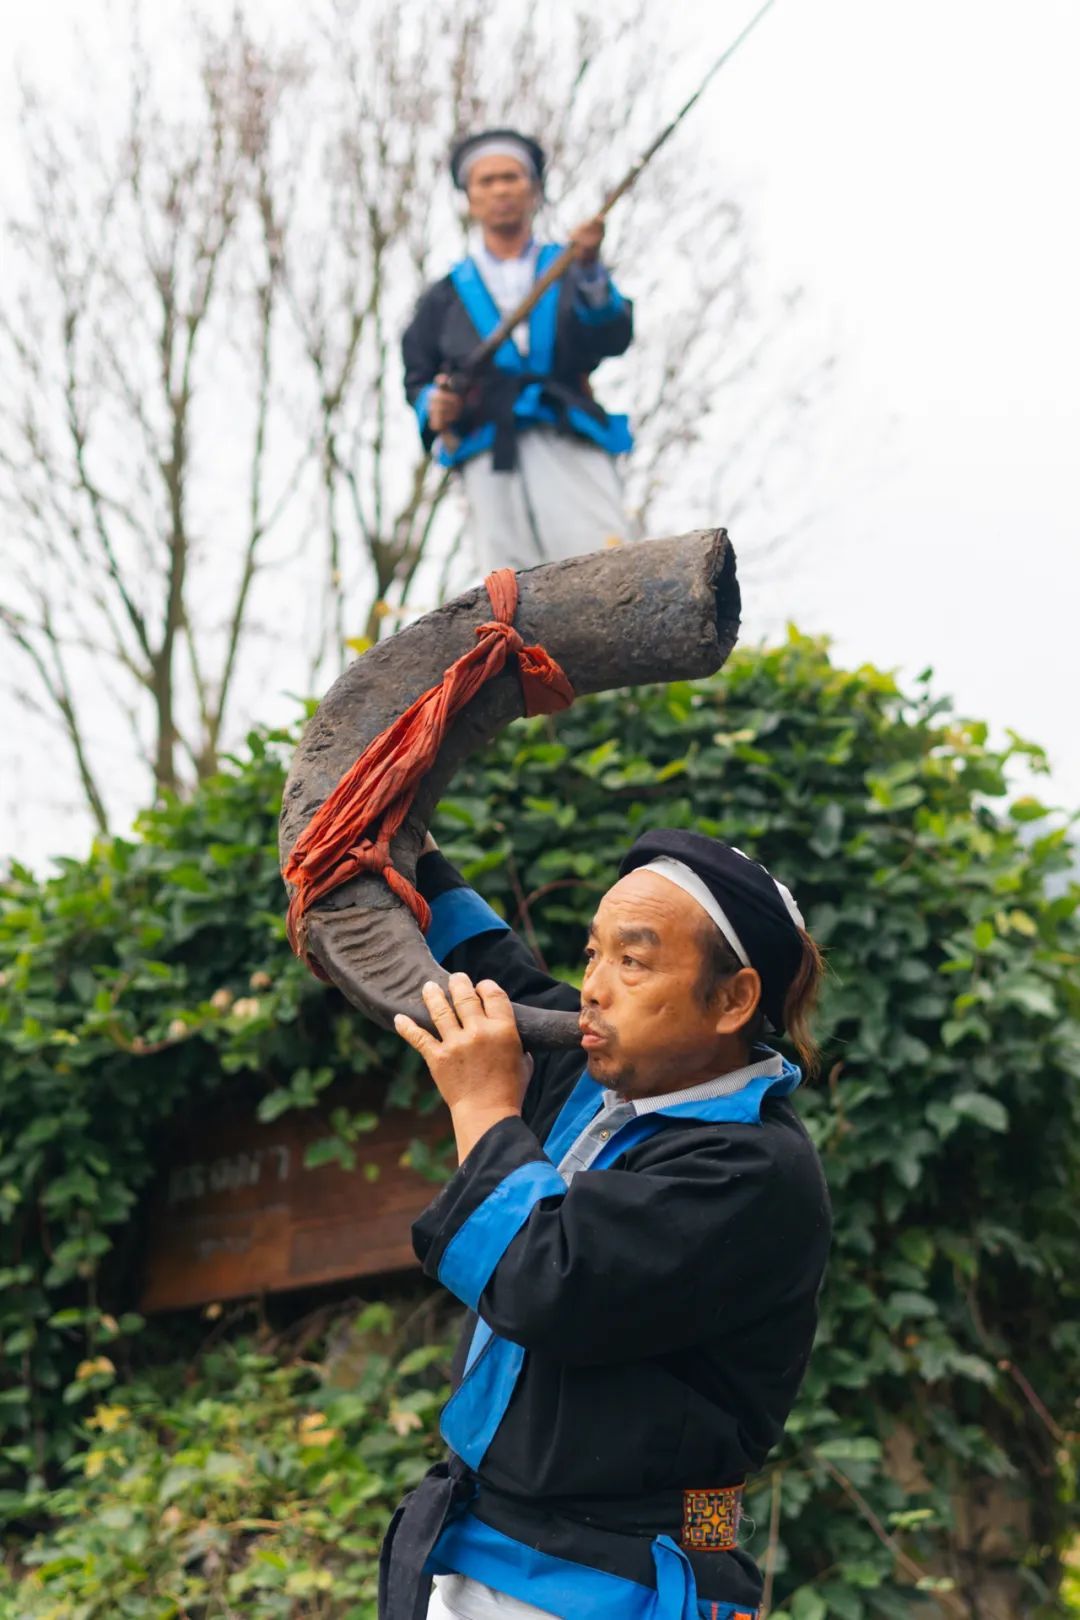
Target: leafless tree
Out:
[211,488]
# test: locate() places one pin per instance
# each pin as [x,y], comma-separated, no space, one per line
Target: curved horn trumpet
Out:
[658,610]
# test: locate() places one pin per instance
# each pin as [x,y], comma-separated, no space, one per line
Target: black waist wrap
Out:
[404,1588]
[500,394]
[618,1531]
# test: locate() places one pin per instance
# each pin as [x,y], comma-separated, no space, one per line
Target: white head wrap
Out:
[685,878]
[498,146]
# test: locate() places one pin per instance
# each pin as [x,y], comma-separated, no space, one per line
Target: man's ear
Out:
[737,1001]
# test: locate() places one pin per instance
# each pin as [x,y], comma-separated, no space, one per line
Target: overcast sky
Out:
[914,166]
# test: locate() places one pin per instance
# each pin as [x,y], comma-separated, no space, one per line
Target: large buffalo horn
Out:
[659,610]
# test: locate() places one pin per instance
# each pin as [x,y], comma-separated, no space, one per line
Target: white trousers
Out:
[455,1597]
[563,498]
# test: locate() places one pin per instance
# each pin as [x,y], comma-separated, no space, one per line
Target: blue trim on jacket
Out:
[422,405]
[480,1242]
[458,915]
[613,436]
[481,1334]
[573,1117]
[468,1546]
[477,1407]
[742,1107]
[739,1107]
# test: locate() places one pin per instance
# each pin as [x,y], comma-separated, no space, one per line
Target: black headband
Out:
[748,894]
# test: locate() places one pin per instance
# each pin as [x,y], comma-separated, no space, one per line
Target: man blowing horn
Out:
[640,1245]
[535,451]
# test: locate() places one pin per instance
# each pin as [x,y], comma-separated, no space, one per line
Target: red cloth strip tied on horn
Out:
[352,830]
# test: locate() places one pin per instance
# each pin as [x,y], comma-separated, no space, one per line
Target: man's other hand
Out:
[444,406]
[587,239]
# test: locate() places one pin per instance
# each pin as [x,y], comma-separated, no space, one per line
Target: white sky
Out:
[914,166]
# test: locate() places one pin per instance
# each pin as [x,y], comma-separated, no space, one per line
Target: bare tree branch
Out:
[210,485]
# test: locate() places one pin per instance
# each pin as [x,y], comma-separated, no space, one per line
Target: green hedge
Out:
[255,1486]
[949,1350]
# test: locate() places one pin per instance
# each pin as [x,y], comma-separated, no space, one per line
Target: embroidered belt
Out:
[711,1519]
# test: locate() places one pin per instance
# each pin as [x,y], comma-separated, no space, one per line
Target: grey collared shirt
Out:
[615,1112]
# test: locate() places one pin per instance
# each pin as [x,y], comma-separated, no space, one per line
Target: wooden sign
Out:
[236,1212]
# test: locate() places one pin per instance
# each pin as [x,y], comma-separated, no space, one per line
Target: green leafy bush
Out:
[135,982]
[934,1440]
[252,1488]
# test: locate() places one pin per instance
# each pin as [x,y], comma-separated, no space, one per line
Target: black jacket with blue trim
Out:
[664,1307]
[441,336]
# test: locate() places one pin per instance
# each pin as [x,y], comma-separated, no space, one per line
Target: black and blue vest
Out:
[547,387]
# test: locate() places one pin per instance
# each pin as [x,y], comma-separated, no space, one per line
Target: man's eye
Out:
[631,961]
[589,953]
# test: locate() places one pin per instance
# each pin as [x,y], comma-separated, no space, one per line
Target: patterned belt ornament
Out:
[711,1519]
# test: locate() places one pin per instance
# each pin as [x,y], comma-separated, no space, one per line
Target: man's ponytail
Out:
[801,1002]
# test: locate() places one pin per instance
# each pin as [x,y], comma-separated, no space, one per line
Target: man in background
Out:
[535,451]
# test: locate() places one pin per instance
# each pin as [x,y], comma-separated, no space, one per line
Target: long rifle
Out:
[484,351]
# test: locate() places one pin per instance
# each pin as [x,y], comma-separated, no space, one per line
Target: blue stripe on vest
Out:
[545,317]
[480,1242]
[483,311]
[458,915]
[468,1546]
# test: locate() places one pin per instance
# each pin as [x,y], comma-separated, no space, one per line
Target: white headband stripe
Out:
[497,148]
[790,903]
[685,878]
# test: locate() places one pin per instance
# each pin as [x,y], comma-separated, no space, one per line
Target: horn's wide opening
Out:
[727,596]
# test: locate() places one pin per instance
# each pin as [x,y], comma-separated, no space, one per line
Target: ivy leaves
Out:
[251,1488]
